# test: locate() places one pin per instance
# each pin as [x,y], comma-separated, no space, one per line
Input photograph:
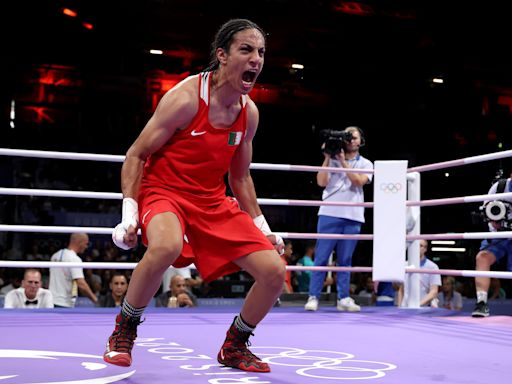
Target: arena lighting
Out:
[12,114]
[297,66]
[69,12]
[88,26]
[447,249]
[156,51]
[437,80]
[443,242]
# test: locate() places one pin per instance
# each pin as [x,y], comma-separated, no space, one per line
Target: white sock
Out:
[481,296]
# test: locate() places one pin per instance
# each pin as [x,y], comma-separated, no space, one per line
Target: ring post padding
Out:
[389,213]
[412,282]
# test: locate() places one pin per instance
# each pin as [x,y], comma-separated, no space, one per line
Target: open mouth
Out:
[248,77]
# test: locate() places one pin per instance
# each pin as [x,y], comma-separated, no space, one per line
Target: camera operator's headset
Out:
[361,133]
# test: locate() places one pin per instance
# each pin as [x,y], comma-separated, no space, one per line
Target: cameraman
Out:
[340,220]
[493,250]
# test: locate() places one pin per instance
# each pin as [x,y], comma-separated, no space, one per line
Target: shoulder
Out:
[182,99]
[365,162]
[44,291]
[252,109]
[14,292]
[253,117]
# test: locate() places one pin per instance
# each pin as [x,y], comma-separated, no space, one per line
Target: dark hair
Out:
[361,133]
[224,38]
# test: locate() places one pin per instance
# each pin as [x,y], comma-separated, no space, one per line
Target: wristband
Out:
[130,212]
[261,223]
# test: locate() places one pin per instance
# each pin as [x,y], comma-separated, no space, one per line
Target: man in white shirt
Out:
[429,283]
[65,282]
[30,294]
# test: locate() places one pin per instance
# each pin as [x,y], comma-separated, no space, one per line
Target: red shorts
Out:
[216,235]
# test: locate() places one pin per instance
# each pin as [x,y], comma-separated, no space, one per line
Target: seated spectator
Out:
[368,290]
[118,286]
[185,273]
[449,298]
[30,294]
[286,257]
[303,277]
[429,283]
[184,300]
[171,298]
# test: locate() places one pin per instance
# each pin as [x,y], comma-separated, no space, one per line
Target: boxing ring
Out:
[380,344]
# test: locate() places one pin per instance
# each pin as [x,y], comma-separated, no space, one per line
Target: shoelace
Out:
[126,335]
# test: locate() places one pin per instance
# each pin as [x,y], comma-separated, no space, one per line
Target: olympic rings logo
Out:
[390,187]
[322,364]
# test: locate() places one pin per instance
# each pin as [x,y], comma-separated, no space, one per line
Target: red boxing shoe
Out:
[120,343]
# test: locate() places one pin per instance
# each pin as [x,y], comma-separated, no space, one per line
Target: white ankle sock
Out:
[481,296]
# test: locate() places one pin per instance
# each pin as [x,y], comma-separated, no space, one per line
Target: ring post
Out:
[389,214]
[412,295]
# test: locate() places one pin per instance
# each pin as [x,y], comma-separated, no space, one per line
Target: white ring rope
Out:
[459,200]
[261,201]
[289,235]
[284,235]
[108,231]
[120,159]
[119,196]
[464,161]
[114,265]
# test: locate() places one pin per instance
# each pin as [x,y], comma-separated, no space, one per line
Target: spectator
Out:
[449,298]
[287,257]
[30,294]
[118,285]
[177,287]
[65,282]
[304,277]
[429,283]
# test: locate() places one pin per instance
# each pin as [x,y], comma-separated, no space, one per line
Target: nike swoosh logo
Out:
[114,354]
[194,133]
[144,217]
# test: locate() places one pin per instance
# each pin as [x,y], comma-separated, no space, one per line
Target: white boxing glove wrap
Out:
[130,217]
[261,223]
[263,226]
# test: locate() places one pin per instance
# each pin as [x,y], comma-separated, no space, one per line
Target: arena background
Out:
[88,84]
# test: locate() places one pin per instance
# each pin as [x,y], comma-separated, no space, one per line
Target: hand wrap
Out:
[261,223]
[130,217]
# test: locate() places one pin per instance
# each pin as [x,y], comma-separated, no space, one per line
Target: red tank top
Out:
[194,161]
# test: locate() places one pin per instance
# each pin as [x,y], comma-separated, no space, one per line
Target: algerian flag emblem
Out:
[234,138]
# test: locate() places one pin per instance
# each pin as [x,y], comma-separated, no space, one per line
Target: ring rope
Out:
[119,196]
[110,265]
[108,231]
[459,200]
[284,235]
[261,201]
[261,166]
[464,161]
[120,159]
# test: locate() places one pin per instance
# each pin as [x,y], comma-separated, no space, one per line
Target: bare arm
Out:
[240,179]
[357,179]
[322,178]
[400,295]
[432,294]
[174,111]
[85,289]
